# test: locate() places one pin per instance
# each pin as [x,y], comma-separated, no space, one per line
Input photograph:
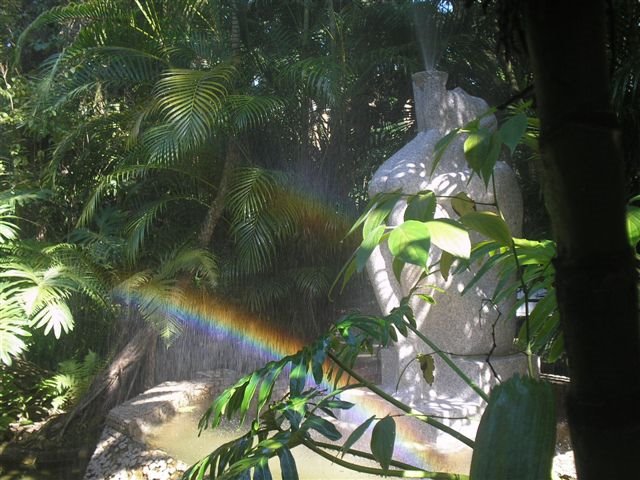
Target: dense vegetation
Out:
[155,147]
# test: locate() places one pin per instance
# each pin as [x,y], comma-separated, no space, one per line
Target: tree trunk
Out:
[125,377]
[596,281]
[231,160]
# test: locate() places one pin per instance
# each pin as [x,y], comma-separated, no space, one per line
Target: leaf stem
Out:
[401,406]
[407,471]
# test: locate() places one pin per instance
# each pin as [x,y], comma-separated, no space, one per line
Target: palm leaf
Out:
[191,100]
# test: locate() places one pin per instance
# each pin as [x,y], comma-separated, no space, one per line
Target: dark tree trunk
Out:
[596,279]
[127,374]
[216,208]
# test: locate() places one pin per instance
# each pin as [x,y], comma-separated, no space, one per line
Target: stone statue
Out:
[468,327]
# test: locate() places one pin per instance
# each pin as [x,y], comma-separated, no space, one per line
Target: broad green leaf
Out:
[410,243]
[493,154]
[516,435]
[421,207]
[397,266]
[428,367]
[383,439]
[556,349]
[462,204]
[488,224]
[450,236]
[512,131]
[476,148]
[441,146]
[633,225]
[356,434]
[446,260]
[367,246]
[380,213]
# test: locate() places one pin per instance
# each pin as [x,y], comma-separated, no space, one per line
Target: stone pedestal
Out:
[468,327]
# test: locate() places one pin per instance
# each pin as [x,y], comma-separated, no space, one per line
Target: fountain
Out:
[468,327]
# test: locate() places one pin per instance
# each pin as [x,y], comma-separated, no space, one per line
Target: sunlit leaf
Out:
[633,224]
[450,236]
[427,366]
[462,204]
[488,224]
[421,207]
[369,243]
[410,242]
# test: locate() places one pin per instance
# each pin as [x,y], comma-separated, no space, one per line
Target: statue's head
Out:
[440,109]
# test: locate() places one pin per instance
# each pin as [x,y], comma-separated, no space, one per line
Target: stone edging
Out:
[121,453]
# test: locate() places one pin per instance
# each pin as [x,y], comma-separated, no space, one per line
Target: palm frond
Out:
[119,178]
[87,12]
[148,214]
[192,100]
[13,325]
[247,111]
[8,227]
[197,261]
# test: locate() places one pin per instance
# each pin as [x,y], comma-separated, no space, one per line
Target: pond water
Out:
[179,438]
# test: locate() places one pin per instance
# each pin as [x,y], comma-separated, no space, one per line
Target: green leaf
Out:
[383,439]
[261,471]
[512,131]
[410,243]
[287,464]
[476,148]
[248,394]
[267,384]
[488,224]
[441,146]
[462,204]
[428,366]
[633,225]
[397,266]
[450,236]
[367,246]
[427,298]
[380,212]
[298,377]
[421,207]
[446,260]
[356,434]
[516,435]
[322,426]
[317,364]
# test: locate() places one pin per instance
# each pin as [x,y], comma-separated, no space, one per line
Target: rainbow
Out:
[222,320]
